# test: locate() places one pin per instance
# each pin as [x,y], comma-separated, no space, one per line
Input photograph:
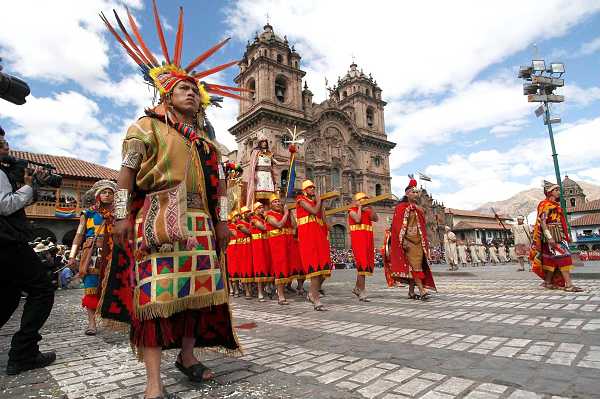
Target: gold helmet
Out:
[306,184]
[244,210]
[256,205]
[359,196]
[274,197]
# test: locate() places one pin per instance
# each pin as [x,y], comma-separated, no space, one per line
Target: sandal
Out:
[262,300]
[425,296]
[165,396]
[283,302]
[356,292]
[572,288]
[319,308]
[195,372]
[413,296]
[90,331]
[364,299]
[322,292]
[249,298]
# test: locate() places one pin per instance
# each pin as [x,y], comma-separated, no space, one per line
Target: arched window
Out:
[251,85]
[370,117]
[338,236]
[280,88]
[335,178]
[279,58]
[377,189]
[572,202]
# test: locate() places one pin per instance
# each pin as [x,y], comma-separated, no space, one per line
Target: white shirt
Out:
[11,202]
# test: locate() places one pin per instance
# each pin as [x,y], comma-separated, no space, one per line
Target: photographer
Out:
[27,273]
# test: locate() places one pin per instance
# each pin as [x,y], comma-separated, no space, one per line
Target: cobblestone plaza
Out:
[488,333]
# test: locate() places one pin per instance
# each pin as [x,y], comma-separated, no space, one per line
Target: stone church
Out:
[346,146]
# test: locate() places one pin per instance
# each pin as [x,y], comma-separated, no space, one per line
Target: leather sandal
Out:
[195,372]
[283,302]
[319,307]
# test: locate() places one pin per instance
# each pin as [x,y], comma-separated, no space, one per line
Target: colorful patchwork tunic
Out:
[179,292]
[546,257]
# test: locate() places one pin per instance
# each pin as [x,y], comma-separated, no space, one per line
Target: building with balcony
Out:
[56,213]
[585,225]
[478,227]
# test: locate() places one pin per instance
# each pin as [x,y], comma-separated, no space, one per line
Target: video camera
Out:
[18,166]
[13,89]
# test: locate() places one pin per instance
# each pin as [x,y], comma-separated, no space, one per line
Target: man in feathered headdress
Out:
[549,255]
[410,246]
[172,200]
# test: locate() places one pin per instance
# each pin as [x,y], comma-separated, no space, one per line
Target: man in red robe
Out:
[360,220]
[410,246]
[313,240]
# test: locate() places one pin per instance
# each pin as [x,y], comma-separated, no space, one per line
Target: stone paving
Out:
[488,333]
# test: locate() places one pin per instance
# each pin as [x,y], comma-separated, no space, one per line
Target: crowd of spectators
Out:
[344,259]
[55,258]
[50,197]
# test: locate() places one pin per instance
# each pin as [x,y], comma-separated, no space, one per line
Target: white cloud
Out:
[590,47]
[64,124]
[475,178]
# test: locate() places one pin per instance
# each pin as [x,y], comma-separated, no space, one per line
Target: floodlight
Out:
[525,72]
[538,65]
[529,88]
[557,67]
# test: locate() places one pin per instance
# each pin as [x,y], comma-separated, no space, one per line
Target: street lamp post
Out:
[540,83]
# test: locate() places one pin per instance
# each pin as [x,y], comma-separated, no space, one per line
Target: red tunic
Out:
[400,267]
[363,246]
[261,260]
[313,241]
[233,270]
[244,243]
[280,246]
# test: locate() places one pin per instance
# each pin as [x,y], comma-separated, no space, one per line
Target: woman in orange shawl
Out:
[549,255]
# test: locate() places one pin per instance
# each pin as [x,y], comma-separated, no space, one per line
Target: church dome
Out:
[269,35]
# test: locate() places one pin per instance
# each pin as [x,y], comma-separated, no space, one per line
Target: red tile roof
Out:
[460,212]
[70,167]
[587,207]
[478,225]
[587,220]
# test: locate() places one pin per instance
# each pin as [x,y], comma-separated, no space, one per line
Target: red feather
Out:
[136,32]
[129,39]
[230,88]
[214,70]
[116,35]
[202,57]
[161,36]
[178,39]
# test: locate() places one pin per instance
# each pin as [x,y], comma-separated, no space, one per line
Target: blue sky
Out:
[448,73]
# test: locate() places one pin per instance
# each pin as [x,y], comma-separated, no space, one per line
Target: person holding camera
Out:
[28,274]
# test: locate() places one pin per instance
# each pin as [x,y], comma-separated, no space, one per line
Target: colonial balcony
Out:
[47,210]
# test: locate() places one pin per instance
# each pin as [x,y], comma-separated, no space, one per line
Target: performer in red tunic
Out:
[280,225]
[261,261]
[360,220]
[245,250]
[409,246]
[313,240]
[233,260]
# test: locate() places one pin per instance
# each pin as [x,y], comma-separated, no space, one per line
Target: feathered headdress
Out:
[412,183]
[163,76]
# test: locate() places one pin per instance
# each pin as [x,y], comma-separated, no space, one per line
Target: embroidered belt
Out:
[259,236]
[310,218]
[278,232]
[243,240]
[361,227]
[232,242]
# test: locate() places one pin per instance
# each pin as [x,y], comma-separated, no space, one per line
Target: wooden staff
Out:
[363,202]
[326,196]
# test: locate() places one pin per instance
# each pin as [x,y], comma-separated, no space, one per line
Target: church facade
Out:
[346,146]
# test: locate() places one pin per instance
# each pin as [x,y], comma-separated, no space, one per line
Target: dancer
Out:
[233,258]
[462,253]
[474,256]
[245,251]
[172,199]
[280,225]
[261,259]
[482,253]
[450,249]
[502,253]
[410,246]
[94,241]
[550,256]
[313,241]
[494,254]
[522,236]
[360,220]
